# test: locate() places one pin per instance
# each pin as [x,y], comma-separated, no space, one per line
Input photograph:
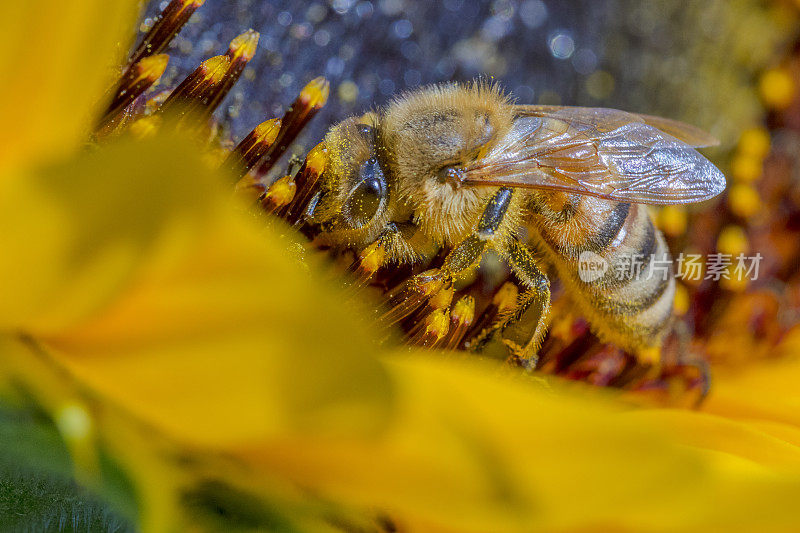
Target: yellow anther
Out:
[681,300]
[506,297]
[192,3]
[463,311]
[315,93]
[145,127]
[754,142]
[442,299]
[267,131]
[777,88]
[155,101]
[151,68]
[746,168]
[437,324]
[732,240]
[372,258]
[281,192]
[317,158]
[215,68]
[672,220]
[744,200]
[244,46]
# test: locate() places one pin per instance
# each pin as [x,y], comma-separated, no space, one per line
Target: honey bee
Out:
[464,168]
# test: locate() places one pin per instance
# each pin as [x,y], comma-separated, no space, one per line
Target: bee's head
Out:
[355,187]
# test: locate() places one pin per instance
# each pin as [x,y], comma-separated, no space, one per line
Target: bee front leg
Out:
[470,250]
[523,328]
[423,287]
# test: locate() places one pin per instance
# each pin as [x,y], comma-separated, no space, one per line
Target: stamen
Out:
[279,194]
[442,299]
[166,26]
[196,91]
[437,324]
[413,294]
[134,82]
[253,147]
[145,127]
[460,320]
[503,303]
[240,52]
[311,99]
[372,258]
[307,180]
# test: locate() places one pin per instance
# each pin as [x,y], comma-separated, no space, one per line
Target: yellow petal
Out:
[57,59]
[134,266]
[474,451]
[74,234]
[765,391]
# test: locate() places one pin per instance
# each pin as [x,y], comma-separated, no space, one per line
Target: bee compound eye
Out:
[368,196]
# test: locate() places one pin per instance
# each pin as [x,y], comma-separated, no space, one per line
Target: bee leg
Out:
[523,329]
[470,250]
[421,288]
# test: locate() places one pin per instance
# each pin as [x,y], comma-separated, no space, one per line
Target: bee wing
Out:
[613,119]
[601,152]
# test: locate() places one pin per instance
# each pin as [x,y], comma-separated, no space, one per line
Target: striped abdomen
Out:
[613,261]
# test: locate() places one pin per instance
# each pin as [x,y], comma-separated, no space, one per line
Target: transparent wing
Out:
[601,152]
[613,119]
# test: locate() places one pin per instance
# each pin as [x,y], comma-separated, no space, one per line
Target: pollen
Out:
[372,258]
[744,200]
[746,168]
[681,301]
[281,192]
[672,220]
[437,324]
[463,311]
[754,142]
[777,88]
[429,284]
[732,240]
[244,46]
[317,158]
[442,299]
[315,93]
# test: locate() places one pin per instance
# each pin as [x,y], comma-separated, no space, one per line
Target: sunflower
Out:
[172,349]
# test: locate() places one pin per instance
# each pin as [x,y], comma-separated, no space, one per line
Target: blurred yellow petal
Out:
[74,234]
[765,392]
[774,446]
[173,485]
[474,451]
[133,266]
[57,59]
